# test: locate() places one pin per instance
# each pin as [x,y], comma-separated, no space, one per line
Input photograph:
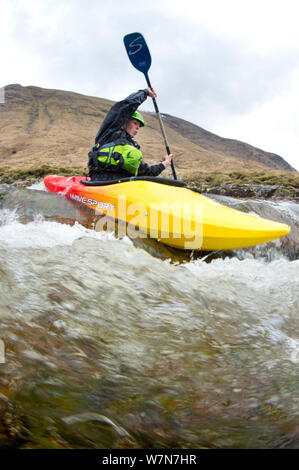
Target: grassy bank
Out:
[27,175]
[287,184]
[243,177]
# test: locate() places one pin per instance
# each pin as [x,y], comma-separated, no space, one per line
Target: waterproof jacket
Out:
[112,130]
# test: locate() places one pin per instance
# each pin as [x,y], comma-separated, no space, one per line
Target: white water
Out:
[165,349]
[248,289]
[41,233]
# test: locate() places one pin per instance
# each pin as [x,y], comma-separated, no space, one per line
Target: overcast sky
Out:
[229,66]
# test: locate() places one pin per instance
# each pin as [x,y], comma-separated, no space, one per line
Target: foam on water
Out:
[39,186]
[41,233]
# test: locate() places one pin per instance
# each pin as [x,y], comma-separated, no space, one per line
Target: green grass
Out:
[239,177]
[287,183]
[7,175]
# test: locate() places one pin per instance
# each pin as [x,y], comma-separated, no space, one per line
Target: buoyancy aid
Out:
[115,156]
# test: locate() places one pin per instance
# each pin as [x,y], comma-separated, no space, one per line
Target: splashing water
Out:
[115,344]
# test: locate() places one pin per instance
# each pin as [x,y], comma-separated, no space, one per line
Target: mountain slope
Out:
[229,147]
[55,127]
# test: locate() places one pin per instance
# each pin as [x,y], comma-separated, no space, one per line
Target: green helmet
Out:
[139,118]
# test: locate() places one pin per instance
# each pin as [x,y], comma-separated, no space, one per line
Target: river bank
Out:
[238,184]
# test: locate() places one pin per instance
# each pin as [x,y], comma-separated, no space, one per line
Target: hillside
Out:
[41,126]
[228,147]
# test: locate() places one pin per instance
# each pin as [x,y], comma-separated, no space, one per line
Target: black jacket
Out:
[112,129]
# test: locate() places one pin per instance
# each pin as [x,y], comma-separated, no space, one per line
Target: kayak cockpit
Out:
[153,179]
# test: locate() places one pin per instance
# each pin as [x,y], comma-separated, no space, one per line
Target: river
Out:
[126,344]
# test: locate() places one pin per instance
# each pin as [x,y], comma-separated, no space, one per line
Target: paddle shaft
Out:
[162,127]
[140,58]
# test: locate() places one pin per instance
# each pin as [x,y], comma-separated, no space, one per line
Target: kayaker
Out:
[116,154]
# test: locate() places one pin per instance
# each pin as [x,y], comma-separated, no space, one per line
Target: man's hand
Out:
[167,161]
[152,93]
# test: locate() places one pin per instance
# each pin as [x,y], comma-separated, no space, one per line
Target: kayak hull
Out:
[176,216]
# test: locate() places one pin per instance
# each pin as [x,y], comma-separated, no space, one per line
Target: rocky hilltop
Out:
[41,126]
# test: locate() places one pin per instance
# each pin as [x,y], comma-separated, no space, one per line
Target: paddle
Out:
[140,58]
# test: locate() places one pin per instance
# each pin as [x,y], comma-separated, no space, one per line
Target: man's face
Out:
[132,127]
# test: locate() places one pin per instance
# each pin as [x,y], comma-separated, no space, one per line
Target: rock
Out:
[264,191]
[245,190]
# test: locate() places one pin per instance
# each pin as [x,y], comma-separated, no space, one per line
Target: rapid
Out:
[119,343]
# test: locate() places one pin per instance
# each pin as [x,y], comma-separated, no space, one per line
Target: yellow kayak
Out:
[169,212]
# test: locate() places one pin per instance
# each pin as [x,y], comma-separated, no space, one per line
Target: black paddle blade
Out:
[138,52]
